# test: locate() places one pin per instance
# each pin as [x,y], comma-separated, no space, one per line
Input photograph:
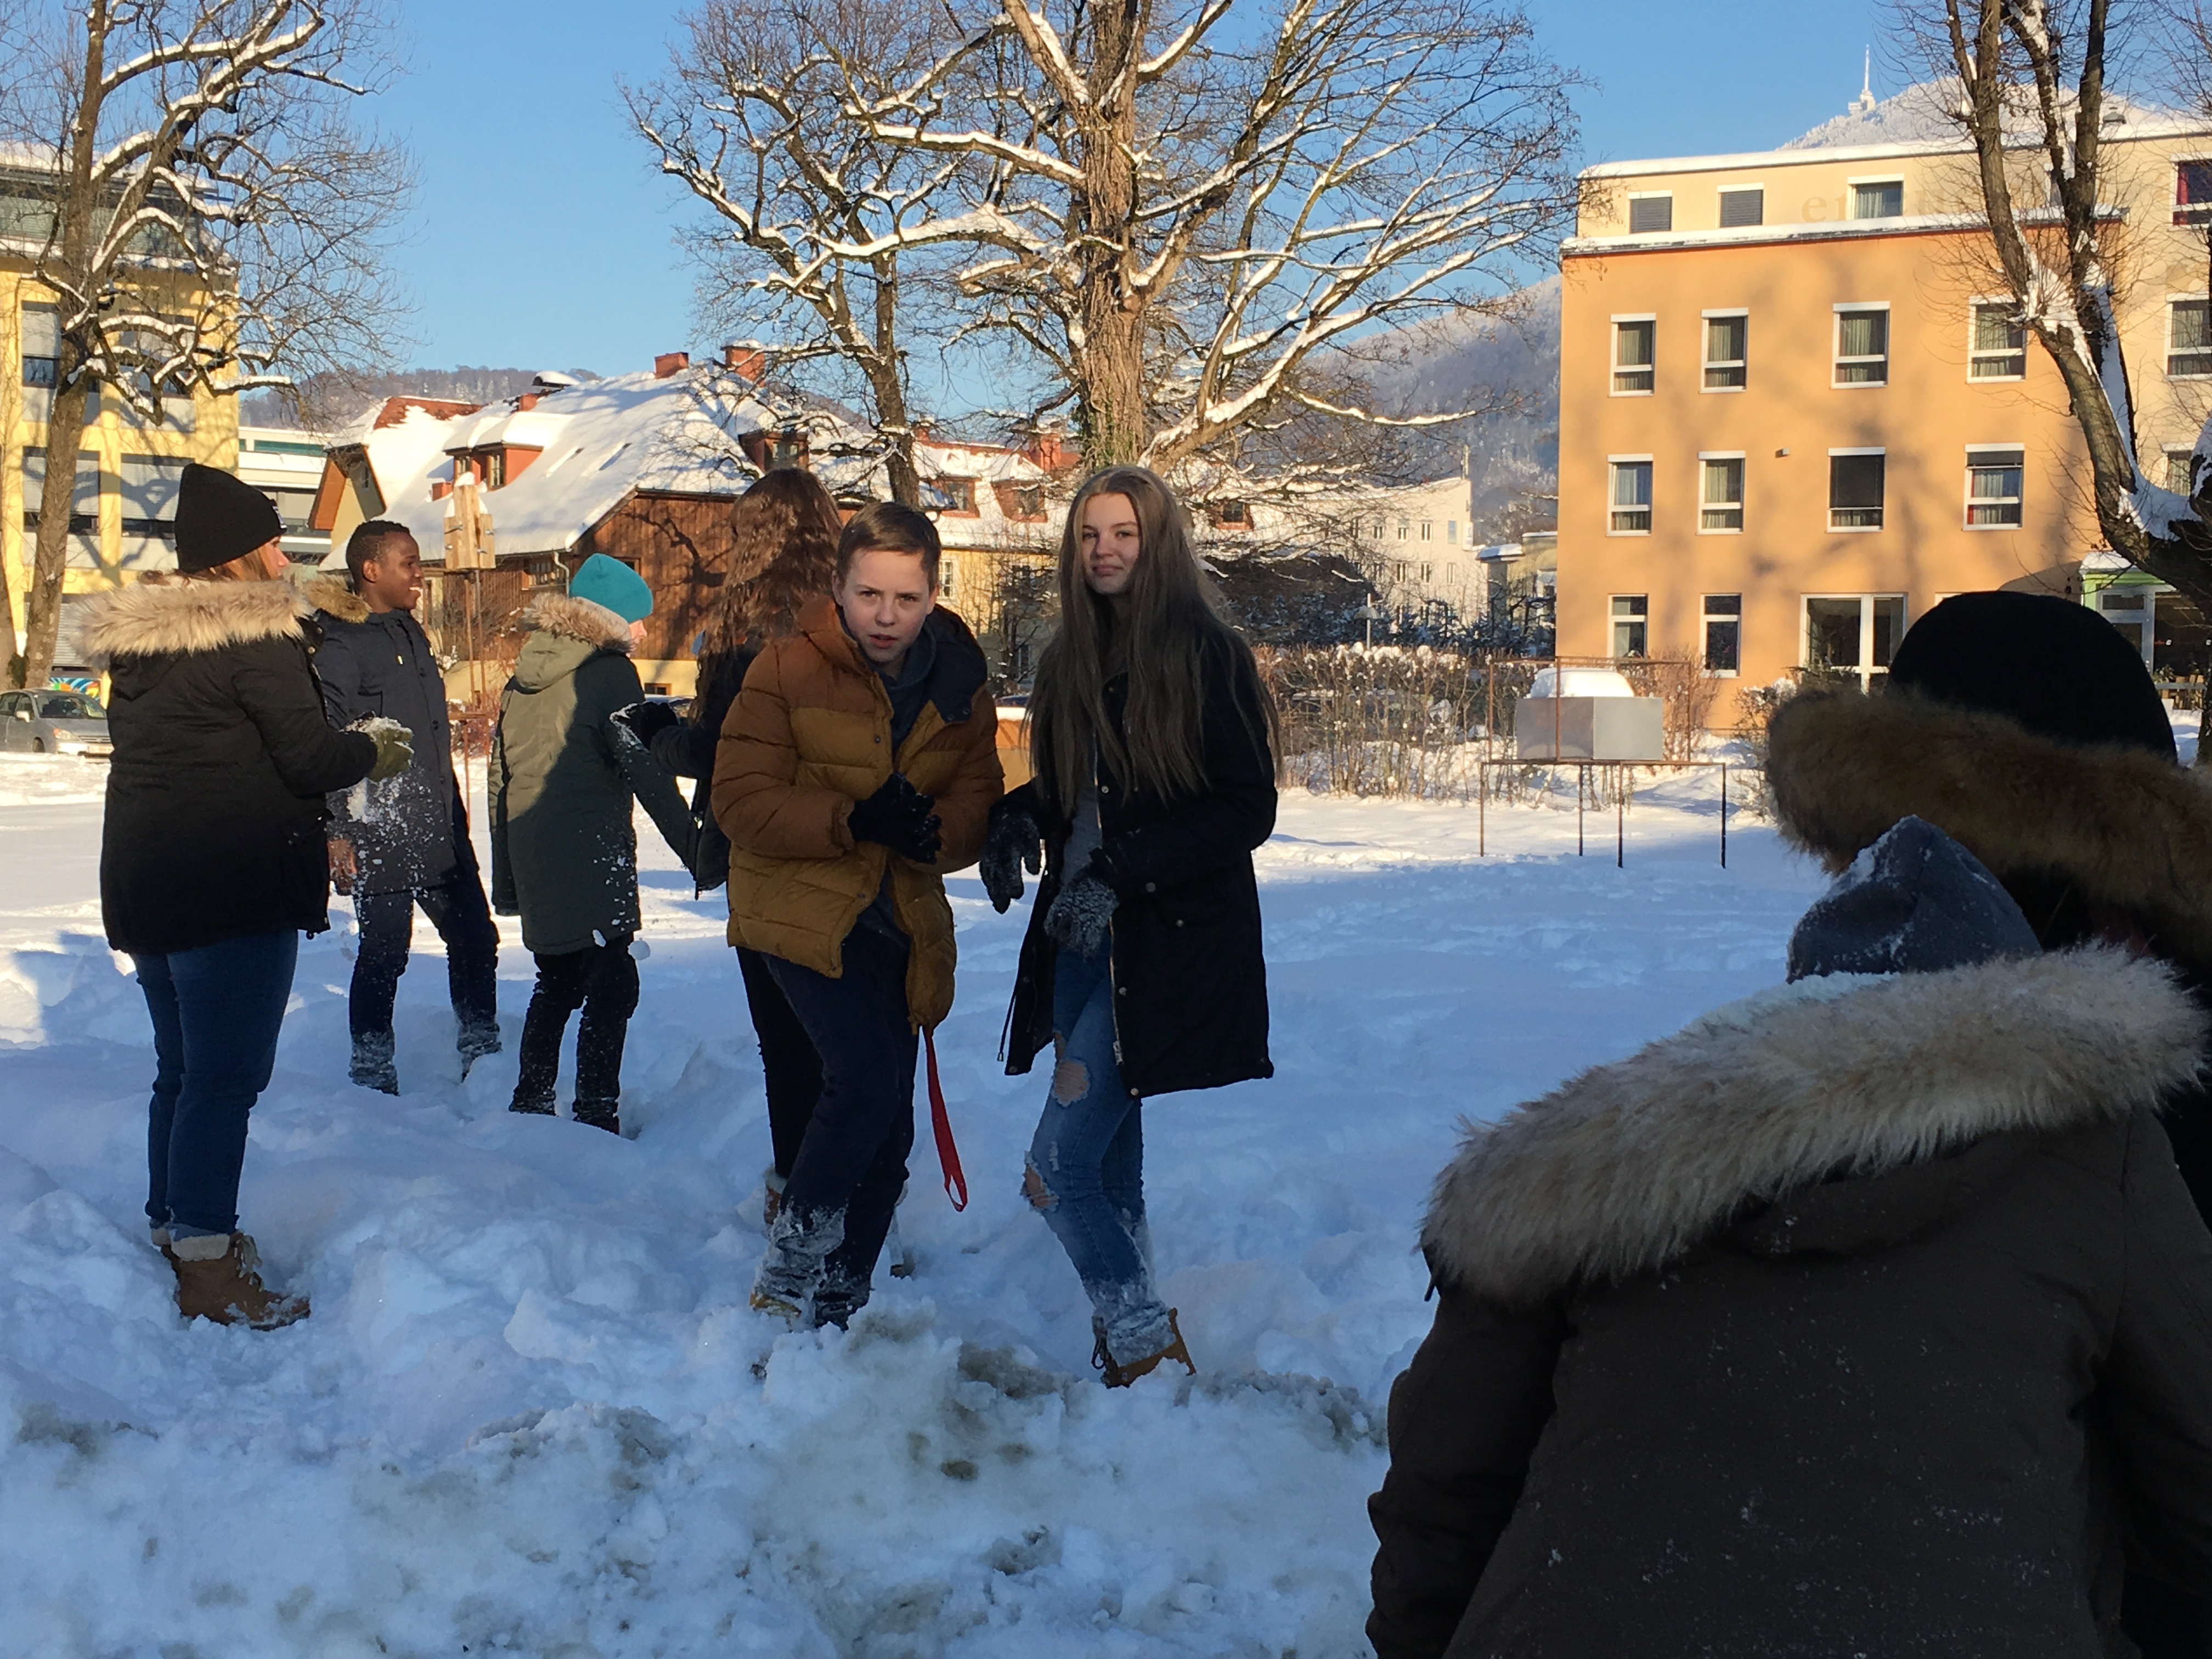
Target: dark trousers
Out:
[852,1157]
[602,981]
[788,1057]
[455,905]
[216,1013]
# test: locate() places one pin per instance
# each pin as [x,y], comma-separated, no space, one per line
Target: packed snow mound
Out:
[532,1412]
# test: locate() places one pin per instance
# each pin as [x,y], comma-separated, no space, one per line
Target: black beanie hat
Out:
[2055,667]
[220,519]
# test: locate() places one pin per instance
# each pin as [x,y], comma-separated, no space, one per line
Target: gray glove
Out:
[1013,843]
[1081,914]
[395,748]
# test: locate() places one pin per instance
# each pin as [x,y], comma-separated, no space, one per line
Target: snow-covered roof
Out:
[600,441]
[991,462]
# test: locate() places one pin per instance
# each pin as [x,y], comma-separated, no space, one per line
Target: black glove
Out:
[1081,914]
[646,721]
[1012,844]
[898,816]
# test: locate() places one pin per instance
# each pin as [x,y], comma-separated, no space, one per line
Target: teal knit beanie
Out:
[613,584]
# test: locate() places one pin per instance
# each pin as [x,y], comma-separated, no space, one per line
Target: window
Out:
[148,485]
[1404,527]
[1723,633]
[1452,532]
[1862,345]
[1634,341]
[1428,574]
[1647,214]
[1854,634]
[960,493]
[85,517]
[1726,340]
[1993,489]
[1231,512]
[948,577]
[1632,498]
[2188,339]
[2180,466]
[1029,501]
[1878,198]
[2000,345]
[1856,477]
[1427,525]
[1375,530]
[491,469]
[42,345]
[1745,205]
[1630,624]
[1720,492]
[2133,611]
[2192,192]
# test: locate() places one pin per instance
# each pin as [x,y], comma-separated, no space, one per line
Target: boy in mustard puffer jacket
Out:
[857,766]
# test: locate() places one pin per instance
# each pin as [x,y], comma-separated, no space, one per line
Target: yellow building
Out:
[1795,413]
[124,512]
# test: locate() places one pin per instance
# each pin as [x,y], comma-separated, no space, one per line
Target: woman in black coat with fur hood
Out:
[1142,965]
[212,859]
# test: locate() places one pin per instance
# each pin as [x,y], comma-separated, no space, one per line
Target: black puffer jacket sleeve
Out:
[688,749]
[1237,812]
[1464,1421]
[277,687]
[2153,1385]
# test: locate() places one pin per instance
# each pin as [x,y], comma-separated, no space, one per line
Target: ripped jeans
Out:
[1087,1164]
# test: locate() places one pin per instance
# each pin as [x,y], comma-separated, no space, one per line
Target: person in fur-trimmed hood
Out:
[1869,1316]
[561,776]
[2027,727]
[211,856]
[404,843]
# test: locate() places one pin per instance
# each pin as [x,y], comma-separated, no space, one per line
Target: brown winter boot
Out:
[1120,1375]
[216,1279]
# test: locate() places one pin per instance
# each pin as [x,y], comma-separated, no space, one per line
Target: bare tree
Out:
[1178,209]
[209,221]
[814,213]
[2032,84]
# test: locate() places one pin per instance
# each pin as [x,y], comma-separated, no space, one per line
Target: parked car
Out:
[55,723]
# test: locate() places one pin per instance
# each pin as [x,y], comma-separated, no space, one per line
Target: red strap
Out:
[948,1155]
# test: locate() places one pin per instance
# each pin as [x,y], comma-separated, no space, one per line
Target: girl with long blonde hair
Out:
[1152,737]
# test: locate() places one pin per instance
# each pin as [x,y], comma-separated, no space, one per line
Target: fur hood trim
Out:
[330,596]
[2125,826]
[580,620]
[171,616]
[1627,1166]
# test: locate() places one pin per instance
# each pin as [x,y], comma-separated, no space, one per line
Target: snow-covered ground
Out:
[532,1412]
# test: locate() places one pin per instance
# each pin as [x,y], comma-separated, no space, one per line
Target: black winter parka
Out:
[223,756]
[688,749]
[1190,980]
[380,664]
[1863,1317]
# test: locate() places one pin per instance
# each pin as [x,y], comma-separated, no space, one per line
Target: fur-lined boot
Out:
[1119,1374]
[218,1278]
[374,1065]
[791,1272]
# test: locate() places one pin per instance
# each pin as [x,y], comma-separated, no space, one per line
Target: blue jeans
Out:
[1086,1164]
[216,1013]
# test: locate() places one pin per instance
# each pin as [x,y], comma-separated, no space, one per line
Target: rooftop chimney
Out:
[670,362]
[748,361]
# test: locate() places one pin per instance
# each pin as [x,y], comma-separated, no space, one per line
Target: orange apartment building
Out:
[1796,413]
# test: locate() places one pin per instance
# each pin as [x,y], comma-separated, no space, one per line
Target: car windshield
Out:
[71,706]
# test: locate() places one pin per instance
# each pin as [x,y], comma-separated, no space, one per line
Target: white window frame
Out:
[1740,364]
[1854,183]
[1616,370]
[1635,196]
[1835,529]
[2018,502]
[1973,352]
[1614,620]
[1650,508]
[2204,351]
[1743,189]
[948,575]
[1738,456]
[1706,618]
[1865,670]
[1836,359]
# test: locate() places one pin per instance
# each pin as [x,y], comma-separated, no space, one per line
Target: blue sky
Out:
[544,239]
